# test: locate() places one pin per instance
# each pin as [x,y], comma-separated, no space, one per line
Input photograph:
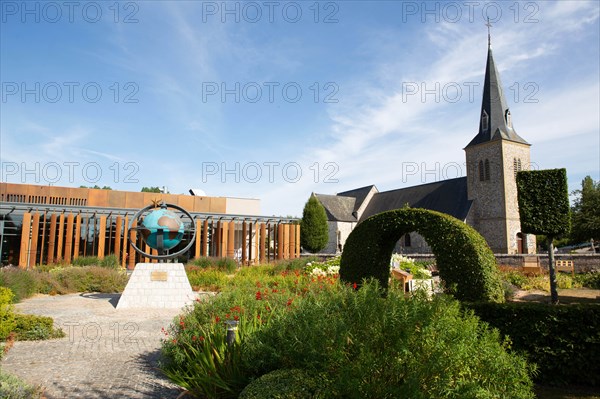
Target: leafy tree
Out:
[97,187]
[543,197]
[586,211]
[314,233]
[151,190]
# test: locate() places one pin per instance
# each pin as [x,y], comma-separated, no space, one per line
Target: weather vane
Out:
[489,25]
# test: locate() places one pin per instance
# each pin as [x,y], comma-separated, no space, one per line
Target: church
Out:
[486,198]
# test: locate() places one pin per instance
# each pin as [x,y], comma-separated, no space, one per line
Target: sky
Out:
[278,99]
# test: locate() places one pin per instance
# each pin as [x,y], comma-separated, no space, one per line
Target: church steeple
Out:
[494,120]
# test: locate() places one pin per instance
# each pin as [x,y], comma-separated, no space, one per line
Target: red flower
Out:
[355,286]
[289,302]
[201,339]
[258,295]
[174,341]
[258,316]
[236,317]
[193,337]
[217,319]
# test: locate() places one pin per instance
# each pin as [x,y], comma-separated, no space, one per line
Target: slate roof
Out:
[338,208]
[359,194]
[494,105]
[447,196]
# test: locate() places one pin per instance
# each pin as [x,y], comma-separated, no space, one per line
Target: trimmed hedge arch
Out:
[465,261]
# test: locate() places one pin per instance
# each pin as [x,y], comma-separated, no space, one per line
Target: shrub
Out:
[30,327]
[86,261]
[110,262]
[314,232]
[21,282]
[12,387]
[7,316]
[285,384]
[202,262]
[562,340]
[465,262]
[206,279]
[227,265]
[374,347]
[588,280]
[90,279]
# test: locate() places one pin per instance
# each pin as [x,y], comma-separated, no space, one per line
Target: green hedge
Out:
[564,340]
[543,197]
[466,264]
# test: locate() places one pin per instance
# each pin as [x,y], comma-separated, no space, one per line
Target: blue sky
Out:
[275,100]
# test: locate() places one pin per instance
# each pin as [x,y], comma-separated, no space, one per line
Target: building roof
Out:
[447,196]
[359,194]
[494,120]
[338,208]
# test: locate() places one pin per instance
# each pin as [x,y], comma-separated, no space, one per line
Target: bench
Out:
[531,265]
[402,276]
[565,266]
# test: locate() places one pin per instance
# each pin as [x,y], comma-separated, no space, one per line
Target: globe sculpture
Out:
[162,229]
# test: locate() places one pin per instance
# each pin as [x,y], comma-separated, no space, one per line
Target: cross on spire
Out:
[489,25]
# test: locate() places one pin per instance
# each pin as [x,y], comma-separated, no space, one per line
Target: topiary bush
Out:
[465,262]
[285,384]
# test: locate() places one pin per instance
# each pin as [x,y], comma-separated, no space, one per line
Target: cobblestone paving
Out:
[107,353]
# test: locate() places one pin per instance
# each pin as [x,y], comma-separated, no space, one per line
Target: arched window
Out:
[485,121]
[481,172]
[487,169]
[407,240]
[515,167]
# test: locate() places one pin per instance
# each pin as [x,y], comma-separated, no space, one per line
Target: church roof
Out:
[494,120]
[338,208]
[359,194]
[447,196]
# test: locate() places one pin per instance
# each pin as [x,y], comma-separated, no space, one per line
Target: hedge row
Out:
[466,264]
[563,340]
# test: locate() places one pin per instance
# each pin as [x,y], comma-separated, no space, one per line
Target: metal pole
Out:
[232,326]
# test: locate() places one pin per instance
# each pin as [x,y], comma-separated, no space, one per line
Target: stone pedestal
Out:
[157,285]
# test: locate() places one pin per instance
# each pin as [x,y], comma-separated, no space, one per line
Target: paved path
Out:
[107,353]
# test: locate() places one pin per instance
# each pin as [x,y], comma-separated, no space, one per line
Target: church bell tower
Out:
[494,156]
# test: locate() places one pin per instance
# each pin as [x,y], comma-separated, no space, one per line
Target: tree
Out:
[586,211]
[151,190]
[314,233]
[543,197]
[97,187]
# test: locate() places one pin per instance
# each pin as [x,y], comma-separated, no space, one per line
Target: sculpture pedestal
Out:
[157,285]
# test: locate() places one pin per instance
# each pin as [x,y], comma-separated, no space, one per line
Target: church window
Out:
[508,118]
[485,121]
[481,172]
[517,166]
[407,242]
[487,169]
